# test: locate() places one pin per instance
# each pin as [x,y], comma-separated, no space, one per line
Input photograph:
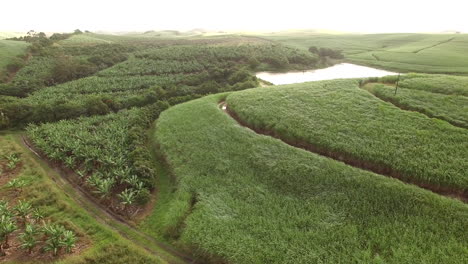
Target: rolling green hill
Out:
[249,198]
[9,51]
[431,53]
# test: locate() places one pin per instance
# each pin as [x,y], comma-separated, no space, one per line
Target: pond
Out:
[338,71]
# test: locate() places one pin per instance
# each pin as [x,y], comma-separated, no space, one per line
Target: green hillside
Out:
[254,199]
[431,53]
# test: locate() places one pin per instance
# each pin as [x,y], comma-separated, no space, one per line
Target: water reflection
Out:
[343,70]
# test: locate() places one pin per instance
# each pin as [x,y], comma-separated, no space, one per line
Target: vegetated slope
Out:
[444,84]
[451,108]
[84,39]
[31,182]
[347,122]
[432,53]
[107,153]
[10,54]
[156,69]
[248,198]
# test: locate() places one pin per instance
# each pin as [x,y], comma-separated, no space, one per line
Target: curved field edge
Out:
[340,119]
[258,200]
[450,108]
[105,245]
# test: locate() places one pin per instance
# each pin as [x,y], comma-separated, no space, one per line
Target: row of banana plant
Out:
[105,153]
[32,230]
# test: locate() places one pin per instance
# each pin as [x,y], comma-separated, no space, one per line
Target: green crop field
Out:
[9,50]
[443,84]
[158,147]
[30,181]
[431,53]
[254,199]
[451,108]
[339,117]
[86,39]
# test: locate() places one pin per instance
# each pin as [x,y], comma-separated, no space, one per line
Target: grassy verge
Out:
[259,200]
[60,204]
[155,224]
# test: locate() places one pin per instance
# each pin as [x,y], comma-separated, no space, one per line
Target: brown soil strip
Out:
[84,198]
[350,160]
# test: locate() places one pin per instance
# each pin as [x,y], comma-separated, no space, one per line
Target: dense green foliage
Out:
[254,199]
[223,192]
[340,117]
[97,243]
[451,108]
[444,84]
[174,70]
[35,231]
[107,152]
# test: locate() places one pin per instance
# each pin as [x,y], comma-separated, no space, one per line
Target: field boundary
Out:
[435,45]
[461,195]
[415,109]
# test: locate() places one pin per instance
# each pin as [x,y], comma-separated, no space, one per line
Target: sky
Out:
[235,15]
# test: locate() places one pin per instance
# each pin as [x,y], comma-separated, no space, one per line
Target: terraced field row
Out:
[275,203]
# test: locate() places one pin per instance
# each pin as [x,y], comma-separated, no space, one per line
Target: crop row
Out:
[106,152]
[259,200]
[338,117]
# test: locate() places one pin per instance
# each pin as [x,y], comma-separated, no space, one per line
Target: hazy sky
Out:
[142,15]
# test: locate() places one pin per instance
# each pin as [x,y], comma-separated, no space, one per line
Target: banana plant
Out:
[53,233]
[69,162]
[37,215]
[68,240]
[104,187]
[28,238]
[5,209]
[7,226]
[53,244]
[127,198]
[22,210]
